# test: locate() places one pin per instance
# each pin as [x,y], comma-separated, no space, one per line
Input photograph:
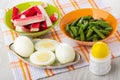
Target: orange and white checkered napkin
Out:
[23,71]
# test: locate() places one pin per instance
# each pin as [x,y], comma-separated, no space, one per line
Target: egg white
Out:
[65,53]
[23,46]
[35,60]
[46,44]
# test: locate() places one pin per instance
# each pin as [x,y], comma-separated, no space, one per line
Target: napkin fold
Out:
[23,71]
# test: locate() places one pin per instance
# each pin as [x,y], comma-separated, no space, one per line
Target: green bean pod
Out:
[105,31]
[85,25]
[93,24]
[98,32]
[87,17]
[81,28]
[77,38]
[86,28]
[103,23]
[89,38]
[67,28]
[71,34]
[75,22]
[80,20]
[94,39]
[89,33]
[82,35]
[74,30]
[108,28]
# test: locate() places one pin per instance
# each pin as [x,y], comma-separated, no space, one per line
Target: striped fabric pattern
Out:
[23,71]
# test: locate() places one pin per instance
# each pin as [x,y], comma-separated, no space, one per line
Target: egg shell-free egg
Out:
[23,46]
[46,44]
[65,53]
[42,57]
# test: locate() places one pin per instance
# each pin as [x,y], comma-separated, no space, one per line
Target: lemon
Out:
[100,50]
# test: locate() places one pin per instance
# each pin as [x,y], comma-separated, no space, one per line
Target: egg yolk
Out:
[100,50]
[47,45]
[43,57]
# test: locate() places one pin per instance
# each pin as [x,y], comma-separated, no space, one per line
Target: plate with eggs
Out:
[44,53]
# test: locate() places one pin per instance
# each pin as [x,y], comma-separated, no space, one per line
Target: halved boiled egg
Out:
[42,57]
[46,44]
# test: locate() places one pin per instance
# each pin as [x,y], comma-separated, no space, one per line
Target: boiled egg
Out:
[42,57]
[100,50]
[65,53]
[46,44]
[23,46]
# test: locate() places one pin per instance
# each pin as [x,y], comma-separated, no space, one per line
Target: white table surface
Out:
[79,74]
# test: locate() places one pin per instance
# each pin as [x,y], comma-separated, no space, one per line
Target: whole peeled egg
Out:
[65,53]
[23,46]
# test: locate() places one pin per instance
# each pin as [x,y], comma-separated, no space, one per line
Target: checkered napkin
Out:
[23,71]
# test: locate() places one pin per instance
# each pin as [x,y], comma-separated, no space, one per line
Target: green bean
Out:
[71,34]
[74,30]
[80,20]
[85,25]
[77,38]
[81,27]
[108,28]
[98,32]
[75,22]
[82,35]
[93,24]
[91,20]
[87,17]
[79,24]
[99,27]
[89,33]
[104,31]
[94,39]
[95,36]
[78,29]
[90,38]
[67,28]
[103,23]
[88,29]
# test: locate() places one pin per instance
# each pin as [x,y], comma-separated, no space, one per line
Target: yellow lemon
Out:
[100,50]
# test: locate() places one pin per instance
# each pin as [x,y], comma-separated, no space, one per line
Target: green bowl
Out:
[23,6]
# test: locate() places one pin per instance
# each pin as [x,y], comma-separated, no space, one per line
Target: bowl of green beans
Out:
[86,26]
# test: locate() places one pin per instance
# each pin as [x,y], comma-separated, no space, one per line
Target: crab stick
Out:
[26,28]
[43,26]
[48,21]
[29,12]
[54,17]
[15,12]
[29,20]
[19,28]
[35,27]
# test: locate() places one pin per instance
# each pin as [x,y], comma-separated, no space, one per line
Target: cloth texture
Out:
[23,71]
